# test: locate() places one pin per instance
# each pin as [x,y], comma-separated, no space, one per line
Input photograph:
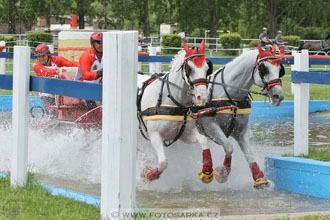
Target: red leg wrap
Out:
[153,174]
[256,172]
[207,161]
[227,165]
[227,162]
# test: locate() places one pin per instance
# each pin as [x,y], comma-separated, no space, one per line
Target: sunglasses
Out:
[99,41]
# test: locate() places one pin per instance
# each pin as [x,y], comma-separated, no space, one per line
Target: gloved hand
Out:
[99,73]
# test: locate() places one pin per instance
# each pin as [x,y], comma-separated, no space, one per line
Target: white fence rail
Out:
[118,187]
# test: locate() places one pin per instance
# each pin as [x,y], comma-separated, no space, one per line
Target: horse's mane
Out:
[242,58]
[176,59]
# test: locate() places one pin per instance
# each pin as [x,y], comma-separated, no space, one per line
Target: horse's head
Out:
[267,74]
[196,68]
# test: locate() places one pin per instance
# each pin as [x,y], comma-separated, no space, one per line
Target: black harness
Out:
[210,108]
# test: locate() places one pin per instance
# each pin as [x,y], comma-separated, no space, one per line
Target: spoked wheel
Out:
[34,110]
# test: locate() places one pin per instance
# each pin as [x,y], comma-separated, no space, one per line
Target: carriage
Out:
[70,111]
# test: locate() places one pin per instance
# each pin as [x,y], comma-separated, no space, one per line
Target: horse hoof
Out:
[150,174]
[205,177]
[145,171]
[261,183]
[221,174]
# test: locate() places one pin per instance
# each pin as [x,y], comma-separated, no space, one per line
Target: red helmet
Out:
[41,49]
[97,36]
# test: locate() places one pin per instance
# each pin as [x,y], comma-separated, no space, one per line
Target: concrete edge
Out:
[300,175]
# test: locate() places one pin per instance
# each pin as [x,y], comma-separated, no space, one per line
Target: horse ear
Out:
[274,49]
[259,48]
[202,47]
[282,50]
[186,48]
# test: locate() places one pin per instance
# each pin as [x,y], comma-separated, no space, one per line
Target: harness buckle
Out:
[191,114]
[234,108]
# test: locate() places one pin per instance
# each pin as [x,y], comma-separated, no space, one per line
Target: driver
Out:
[263,38]
[48,66]
[91,64]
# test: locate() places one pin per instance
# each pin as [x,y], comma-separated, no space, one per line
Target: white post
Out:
[21,81]
[158,65]
[139,63]
[2,60]
[51,48]
[152,65]
[301,108]
[119,124]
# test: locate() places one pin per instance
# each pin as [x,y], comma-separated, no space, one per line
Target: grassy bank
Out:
[316,153]
[35,202]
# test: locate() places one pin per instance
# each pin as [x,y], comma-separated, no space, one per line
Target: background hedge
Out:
[231,41]
[36,38]
[171,40]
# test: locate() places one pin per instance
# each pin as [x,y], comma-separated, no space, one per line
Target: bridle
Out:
[186,71]
[267,85]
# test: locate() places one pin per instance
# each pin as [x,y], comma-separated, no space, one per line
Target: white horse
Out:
[164,105]
[230,90]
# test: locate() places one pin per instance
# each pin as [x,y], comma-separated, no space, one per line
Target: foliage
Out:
[244,17]
[312,33]
[10,40]
[230,41]
[171,40]
[292,40]
[253,43]
[36,38]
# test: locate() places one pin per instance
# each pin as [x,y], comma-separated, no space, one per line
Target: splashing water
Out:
[71,158]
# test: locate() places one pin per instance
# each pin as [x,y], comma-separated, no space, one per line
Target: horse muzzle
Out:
[276,95]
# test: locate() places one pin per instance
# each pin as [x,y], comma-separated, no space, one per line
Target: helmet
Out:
[279,32]
[41,49]
[264,29]
[97,36]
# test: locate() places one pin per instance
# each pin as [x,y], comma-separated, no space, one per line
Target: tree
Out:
[146,18]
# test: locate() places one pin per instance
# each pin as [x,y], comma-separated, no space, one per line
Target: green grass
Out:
[316,153]
[316,91]
[35,202]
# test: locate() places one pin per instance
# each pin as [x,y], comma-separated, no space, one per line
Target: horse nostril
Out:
[198,98]
[276,97]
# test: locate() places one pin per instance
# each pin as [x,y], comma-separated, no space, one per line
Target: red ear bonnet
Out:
[198,60]
[263,54]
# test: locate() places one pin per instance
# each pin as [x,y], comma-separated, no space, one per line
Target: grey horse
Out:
[183,87]
[258,67]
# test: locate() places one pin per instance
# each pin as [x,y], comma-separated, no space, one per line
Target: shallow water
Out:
[71,158]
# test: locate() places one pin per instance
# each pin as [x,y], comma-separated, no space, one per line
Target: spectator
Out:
[263,37]
[48,66]
[279,41]
[91,64]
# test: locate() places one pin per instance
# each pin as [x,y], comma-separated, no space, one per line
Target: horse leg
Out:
[260,181]
[206,174]
[157,144]
[214,131]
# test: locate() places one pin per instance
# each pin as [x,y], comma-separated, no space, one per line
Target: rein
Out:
[234,87]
